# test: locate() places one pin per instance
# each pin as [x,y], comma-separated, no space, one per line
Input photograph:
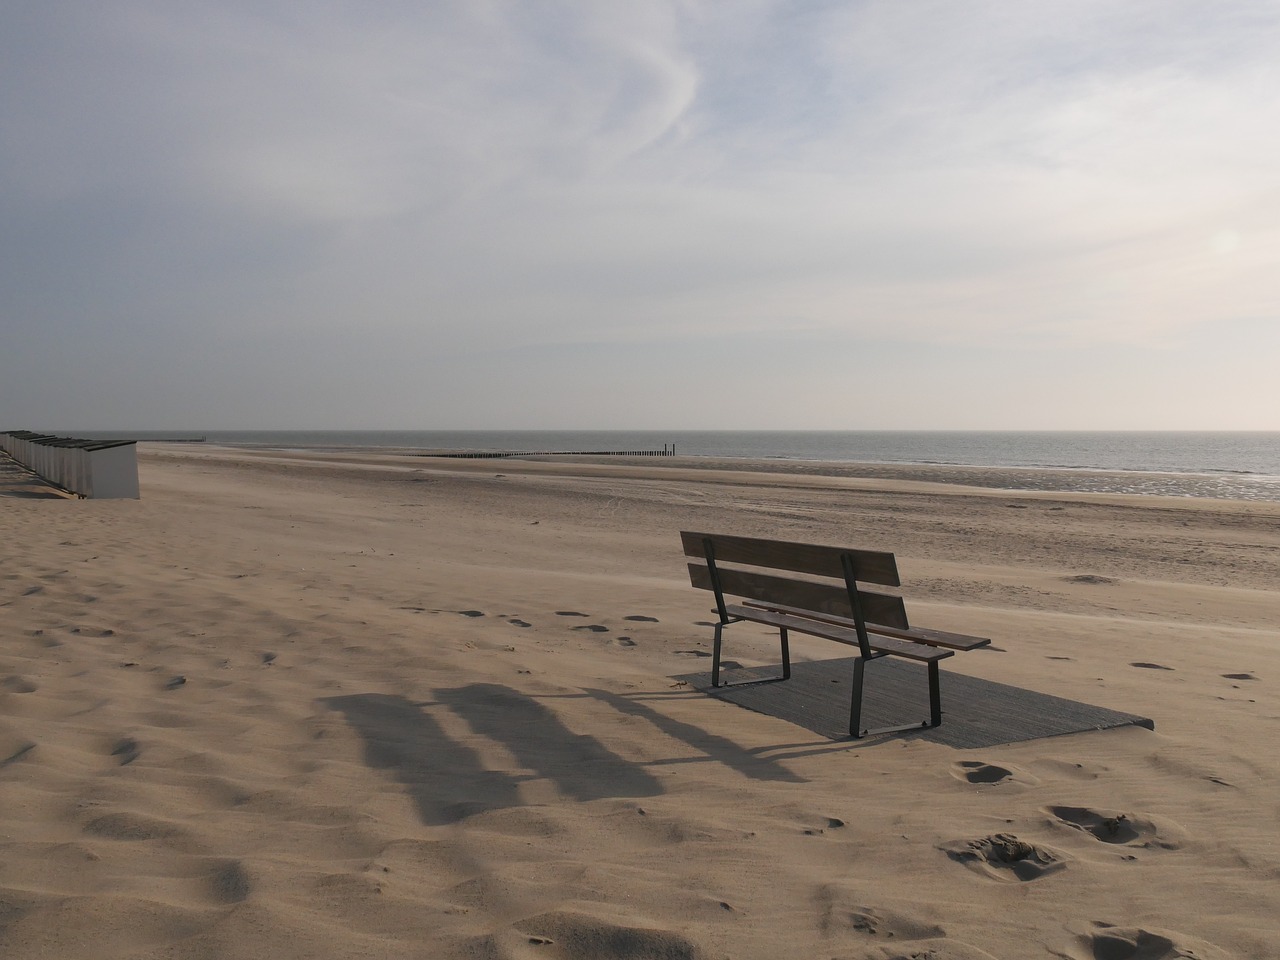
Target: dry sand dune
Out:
[375,706]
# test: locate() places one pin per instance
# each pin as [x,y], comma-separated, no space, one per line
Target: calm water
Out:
[1236,465]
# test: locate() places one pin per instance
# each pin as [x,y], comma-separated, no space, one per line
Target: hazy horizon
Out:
[833,216]
[658,432]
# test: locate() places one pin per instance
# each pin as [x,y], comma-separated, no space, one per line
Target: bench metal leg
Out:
[855,704]
[718,646]
[715,656]
[935,695]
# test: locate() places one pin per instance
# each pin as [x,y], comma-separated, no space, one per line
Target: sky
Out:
[518,214]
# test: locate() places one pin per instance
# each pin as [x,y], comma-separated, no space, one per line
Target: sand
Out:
[363,705]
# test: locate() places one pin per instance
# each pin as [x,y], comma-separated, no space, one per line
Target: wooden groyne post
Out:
[668,450]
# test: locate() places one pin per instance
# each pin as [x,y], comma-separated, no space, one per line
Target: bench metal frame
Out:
[821,627]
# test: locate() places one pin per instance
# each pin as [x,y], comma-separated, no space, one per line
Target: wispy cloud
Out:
[254,181]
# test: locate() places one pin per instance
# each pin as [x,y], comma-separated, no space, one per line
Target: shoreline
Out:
[1250,488]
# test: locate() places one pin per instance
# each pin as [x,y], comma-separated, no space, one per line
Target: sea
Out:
[1227,465]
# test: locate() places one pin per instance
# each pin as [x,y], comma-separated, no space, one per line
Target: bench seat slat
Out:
[935,638]
[830,631]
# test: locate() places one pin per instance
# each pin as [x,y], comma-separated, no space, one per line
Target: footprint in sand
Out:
[583,936]
[1120,828]
[832,823]
[975,771]
[1004,857]
[17,684]
[594,628]
[13,752]
[517,622]
[641,619]
[126,750]
[471,613]
[571,613]
[839,910]
[1101,941]
[1150,666]
[1239,676]
[133,826]
[1114,829]
[229,882]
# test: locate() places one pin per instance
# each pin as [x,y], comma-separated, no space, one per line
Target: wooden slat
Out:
[870,566]
[935,638]
[938,638]
[877,608]
[828,631]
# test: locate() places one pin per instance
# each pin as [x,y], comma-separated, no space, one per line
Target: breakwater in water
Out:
[668,450]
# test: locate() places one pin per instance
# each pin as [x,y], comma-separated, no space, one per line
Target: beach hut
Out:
[90,468]
[113,470]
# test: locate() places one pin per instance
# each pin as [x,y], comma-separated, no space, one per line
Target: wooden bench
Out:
[827,602]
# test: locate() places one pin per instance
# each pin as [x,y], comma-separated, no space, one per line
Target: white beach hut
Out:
[113,470]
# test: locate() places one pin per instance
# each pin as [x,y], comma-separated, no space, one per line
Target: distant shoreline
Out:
[1213,453]
[1250,488]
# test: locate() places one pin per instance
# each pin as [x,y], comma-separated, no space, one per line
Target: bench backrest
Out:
[735,566]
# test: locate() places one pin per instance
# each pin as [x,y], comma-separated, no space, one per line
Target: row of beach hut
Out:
[89,468]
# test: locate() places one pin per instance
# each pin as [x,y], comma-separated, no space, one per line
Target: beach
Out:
[323,704]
